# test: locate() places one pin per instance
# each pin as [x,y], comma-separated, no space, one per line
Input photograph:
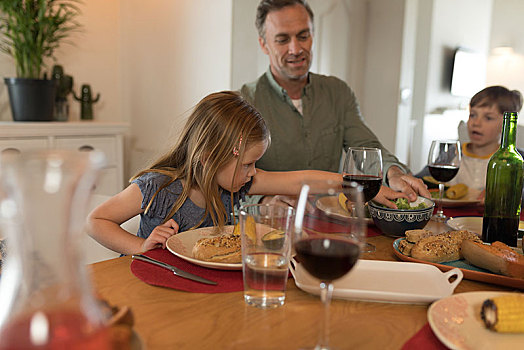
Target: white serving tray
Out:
[386,281]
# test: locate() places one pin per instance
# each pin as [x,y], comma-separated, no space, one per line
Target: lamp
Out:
[503,51]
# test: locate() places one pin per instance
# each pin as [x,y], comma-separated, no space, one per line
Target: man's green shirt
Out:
[330,122]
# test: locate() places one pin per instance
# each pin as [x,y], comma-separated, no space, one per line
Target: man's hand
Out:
[407,184]
[386,195]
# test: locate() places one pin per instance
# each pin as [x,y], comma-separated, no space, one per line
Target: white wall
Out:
[379,102]
[174,53]
[507,30]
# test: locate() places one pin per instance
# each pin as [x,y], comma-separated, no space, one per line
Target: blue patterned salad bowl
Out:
[395,222]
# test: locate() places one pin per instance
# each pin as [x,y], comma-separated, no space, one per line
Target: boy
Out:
[486,110]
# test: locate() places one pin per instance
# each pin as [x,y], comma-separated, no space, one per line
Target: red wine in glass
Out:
[327,258]
[443,164]
[443,173]
[370,184]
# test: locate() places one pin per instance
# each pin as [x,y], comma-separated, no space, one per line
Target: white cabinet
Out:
[84,135]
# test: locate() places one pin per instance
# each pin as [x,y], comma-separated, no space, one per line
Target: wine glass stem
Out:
[440,212]
[326,291]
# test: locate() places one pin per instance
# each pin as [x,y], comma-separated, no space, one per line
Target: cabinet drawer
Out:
[22,144]
[106,144]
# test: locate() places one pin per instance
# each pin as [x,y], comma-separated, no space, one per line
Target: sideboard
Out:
[82,135]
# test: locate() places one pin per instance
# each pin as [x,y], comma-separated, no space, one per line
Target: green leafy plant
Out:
[31,30]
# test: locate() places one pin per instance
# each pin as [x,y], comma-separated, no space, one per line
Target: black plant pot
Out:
[32,100]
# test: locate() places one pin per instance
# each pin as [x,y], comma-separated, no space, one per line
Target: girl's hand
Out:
[386,194]
[159,236]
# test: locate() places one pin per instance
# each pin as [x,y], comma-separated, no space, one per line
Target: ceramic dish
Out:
[470,272]
[182,246]
[471,223]
[400,282]
[456,322]
[330,206]
[394,222]
[468,200]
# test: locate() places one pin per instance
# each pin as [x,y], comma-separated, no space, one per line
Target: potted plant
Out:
[30,31]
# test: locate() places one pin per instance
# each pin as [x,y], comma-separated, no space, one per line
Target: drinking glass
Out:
[364,166]
[326,244]
[443,163]
[266,247]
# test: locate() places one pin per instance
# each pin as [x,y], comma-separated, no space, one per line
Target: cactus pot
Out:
[32,100]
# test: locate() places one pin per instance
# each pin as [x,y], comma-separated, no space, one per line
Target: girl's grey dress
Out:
[189,213]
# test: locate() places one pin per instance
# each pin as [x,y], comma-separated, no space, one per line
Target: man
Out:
[312,117]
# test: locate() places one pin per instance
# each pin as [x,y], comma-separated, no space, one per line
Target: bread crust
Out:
[497,257]
[223,248]
[405,247]
[443,247]
[413,236]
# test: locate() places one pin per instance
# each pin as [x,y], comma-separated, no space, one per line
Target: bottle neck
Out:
[509,130]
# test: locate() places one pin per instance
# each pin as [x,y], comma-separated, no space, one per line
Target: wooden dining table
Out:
[171,319]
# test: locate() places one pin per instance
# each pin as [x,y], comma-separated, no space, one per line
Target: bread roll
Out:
[405,247]
[443,247]
[497,257]
[224,249]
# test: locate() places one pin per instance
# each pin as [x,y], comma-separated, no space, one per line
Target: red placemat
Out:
[227,281]
[464,211]
[424,339]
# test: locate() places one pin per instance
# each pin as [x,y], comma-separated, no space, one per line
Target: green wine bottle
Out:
[504,188]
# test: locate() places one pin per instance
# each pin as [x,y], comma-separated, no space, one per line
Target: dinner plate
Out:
[469,199]
[471,223]
[331,206]
[470,272]
[456,322]
[182,246]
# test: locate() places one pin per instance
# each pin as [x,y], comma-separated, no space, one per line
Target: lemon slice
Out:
[342,199]
[250,228]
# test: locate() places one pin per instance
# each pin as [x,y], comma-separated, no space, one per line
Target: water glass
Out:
[266,247]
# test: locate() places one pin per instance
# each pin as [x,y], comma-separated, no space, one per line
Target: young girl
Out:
[197,183]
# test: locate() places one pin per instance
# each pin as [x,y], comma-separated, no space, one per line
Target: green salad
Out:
[403,203]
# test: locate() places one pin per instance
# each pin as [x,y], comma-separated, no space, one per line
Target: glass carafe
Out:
[46,299]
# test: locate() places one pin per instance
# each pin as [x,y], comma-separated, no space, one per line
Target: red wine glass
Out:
[364,166]
[326,244]
[443,163]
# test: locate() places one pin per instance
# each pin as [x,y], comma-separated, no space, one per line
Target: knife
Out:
[175,270]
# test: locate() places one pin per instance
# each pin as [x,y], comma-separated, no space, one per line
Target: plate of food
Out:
[458,322]
[457,196]
[496,263]
[336,207]
[208,248]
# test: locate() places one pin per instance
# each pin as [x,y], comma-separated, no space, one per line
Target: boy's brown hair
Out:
[504,99]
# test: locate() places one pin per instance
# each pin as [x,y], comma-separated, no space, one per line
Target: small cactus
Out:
[86,102]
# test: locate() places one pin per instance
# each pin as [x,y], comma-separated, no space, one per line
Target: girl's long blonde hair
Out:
[219,129]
